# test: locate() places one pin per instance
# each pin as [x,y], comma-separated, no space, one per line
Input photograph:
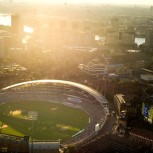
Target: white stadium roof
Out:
[89,90]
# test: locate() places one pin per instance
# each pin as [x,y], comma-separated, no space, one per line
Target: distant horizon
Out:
[114,2]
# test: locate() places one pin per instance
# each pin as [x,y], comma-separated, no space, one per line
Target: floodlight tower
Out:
[32,115]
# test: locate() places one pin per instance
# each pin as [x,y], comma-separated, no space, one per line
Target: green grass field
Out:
[55,121]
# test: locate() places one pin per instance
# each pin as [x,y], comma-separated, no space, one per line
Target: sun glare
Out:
[28,29]
[5,20]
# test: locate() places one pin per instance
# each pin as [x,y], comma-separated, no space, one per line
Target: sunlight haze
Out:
[133,2]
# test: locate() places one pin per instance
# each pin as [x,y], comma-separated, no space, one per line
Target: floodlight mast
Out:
[32,136]
[32,115]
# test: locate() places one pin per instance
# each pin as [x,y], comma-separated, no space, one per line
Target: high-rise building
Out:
[114,22]
[151,10]
[120,36]
[15,24]
[149,39]
[2,48]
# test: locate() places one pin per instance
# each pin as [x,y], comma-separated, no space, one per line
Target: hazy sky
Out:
[147,2]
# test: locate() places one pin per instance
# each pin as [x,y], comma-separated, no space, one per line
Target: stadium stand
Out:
[13,144]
